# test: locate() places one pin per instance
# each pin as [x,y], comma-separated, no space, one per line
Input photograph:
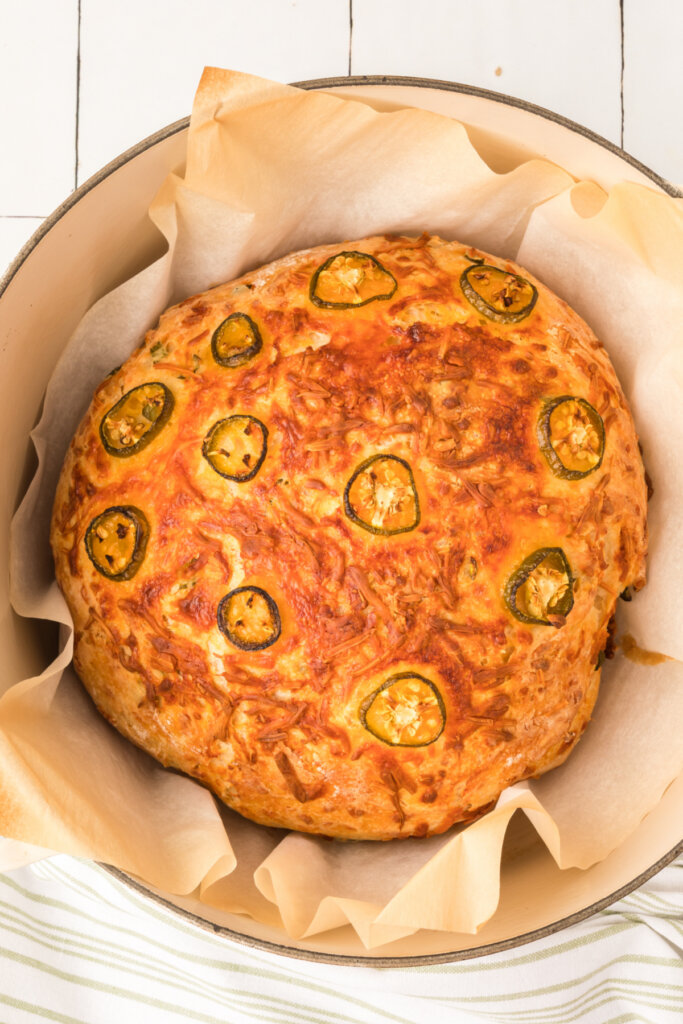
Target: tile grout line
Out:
[621,78]
[78,93]
[350,32]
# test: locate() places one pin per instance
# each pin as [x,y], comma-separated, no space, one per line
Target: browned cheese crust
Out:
[302,724]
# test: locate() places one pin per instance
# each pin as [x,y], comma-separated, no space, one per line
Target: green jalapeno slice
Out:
[540,590]
[350,279]
[500,295]
[381,496]
[571,435]
[136,419]
[249,618]
[405,711]
[236,340]
[236,447]
[116,541]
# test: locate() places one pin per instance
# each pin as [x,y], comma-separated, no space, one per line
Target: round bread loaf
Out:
[343,538]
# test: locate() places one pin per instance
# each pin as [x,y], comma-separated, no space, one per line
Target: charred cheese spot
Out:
[236,341]
[571,435]
[249,618]
[350,279]
[540,591]
[406,711]
[381,496]
[236,447]
[501,296]
[116,541]
[136,419]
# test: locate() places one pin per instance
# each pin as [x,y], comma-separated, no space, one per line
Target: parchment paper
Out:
[271,169]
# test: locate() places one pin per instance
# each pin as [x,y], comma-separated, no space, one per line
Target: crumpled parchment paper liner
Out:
[271,170]
[622,270]
[403,886]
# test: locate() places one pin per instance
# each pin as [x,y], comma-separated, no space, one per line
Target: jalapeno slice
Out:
[381,496]
[236,447]
[350,279]
[501,296]
[571,435]
[236,340]
[249,618]
[116,541]
[136,419]
[405,711]
[540,590]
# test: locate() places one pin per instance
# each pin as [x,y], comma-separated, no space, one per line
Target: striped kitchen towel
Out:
[79,947]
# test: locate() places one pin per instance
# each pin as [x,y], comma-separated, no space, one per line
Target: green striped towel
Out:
[79,947]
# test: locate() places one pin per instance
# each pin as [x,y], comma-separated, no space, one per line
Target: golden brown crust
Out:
[279,733]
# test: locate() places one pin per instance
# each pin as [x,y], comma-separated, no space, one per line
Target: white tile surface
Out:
[38,47]
[14,232]
[141,61]
[653,45]
[562,54]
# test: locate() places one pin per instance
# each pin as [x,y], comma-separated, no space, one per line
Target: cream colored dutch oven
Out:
[100,237]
